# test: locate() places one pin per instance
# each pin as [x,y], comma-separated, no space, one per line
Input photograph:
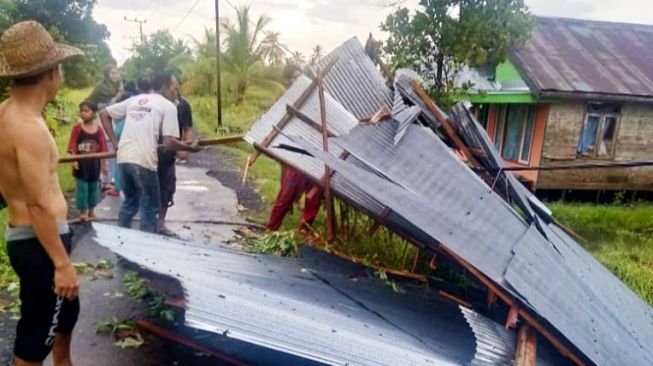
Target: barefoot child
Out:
[87,138]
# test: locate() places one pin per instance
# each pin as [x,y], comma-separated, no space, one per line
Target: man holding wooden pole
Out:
[149,118]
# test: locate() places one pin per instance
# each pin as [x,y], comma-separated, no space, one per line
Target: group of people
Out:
[147,129]
[144,122]
[149,126]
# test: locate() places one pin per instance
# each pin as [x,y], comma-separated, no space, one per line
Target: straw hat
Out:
[26,49]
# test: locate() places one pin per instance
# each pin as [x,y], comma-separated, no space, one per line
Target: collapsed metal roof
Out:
[422,190]
[582,58]
[318,308]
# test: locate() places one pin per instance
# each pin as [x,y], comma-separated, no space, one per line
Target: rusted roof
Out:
[588,59]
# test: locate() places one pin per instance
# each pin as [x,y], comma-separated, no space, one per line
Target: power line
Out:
[608,165]
[186,16]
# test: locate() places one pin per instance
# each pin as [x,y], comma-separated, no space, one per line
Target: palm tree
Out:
[318,53]
[200,70]
[297,58]
[272,50]
[243,55]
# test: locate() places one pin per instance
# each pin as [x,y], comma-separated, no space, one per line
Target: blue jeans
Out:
[141,189]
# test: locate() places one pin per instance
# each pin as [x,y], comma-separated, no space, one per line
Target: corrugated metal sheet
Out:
[581,58]
[495,345]
[318,308]
[430,196]
[514,254]
[354,80]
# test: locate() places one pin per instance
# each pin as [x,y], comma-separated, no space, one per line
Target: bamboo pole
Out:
[112,154]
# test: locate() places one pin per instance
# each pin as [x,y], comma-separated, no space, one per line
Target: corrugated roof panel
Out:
[587,57]
[355,81]
[310,308]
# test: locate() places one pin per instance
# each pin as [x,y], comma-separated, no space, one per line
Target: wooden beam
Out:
[297,105]
[306,119]
[528,318]
[513,316]
[328,195]
[180,339]
[444,121]
[112,154]
[526,354]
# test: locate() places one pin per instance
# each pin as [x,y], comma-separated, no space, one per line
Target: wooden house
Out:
[577,92]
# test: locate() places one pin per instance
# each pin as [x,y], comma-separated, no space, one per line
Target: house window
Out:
[599,133]
[513,135]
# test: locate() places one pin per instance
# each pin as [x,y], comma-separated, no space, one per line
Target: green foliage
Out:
[159,51]
[442,35]
[114,325]
[139,289]
[619,236]
[243,58]
[278,243]
[70,22]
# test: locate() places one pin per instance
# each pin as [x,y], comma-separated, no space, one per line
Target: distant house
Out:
[577,91]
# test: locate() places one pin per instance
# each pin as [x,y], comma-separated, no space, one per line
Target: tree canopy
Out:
[442,35]
[69,21]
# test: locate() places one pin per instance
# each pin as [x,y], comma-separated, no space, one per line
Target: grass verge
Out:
[619,236]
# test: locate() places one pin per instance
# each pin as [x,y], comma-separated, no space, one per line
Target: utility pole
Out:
[140,26]
[217,41]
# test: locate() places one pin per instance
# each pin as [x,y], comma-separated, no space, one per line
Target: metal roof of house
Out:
[318,307]
[420,189]
[588,59]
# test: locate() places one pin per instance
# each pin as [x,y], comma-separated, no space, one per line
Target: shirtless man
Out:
[38,239]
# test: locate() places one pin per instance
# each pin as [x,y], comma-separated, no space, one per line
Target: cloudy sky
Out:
[306,23]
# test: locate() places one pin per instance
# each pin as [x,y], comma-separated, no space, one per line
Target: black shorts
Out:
[167,183]
[42,313]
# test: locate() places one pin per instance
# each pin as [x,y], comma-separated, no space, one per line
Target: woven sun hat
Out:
[27,49]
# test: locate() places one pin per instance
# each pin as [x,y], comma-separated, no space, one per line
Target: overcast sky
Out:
[306,23]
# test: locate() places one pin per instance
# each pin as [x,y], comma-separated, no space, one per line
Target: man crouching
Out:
[38,238]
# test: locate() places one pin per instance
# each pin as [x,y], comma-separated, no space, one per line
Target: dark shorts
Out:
[42,313]
[167,183]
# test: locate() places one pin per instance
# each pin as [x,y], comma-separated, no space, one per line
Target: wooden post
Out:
[328,195]
[444,121]
[218,66]
[112,154]
[526,354]
[287,117]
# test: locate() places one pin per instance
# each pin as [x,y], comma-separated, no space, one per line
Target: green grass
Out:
[619,236]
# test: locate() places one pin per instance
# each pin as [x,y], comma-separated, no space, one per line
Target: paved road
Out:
[199,198]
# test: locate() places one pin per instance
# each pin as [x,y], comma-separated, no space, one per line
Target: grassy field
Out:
[620,236]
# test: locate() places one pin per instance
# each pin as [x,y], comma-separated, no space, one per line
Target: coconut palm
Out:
[297,58]
[318,53]
[272,50]
[243,57]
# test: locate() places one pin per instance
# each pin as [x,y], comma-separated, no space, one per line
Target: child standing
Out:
[87,138]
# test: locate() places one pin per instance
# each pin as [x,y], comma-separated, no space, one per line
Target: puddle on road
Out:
[191,186]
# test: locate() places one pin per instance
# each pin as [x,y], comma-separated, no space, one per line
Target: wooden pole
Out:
[178,338]
[444,121]
[112,154]
[327,171]
[287,117]
[526,354]
[217,55]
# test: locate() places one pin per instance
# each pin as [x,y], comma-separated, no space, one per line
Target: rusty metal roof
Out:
[588,59]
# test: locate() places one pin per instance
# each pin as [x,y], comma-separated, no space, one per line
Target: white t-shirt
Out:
[147,117]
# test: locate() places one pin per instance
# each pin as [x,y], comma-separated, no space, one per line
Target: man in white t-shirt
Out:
[149,119]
